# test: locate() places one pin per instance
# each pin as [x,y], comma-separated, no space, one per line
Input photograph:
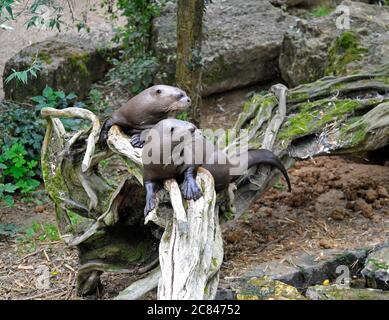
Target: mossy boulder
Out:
[316,48]
[241,44]
[69,63]
[307,269]
[265,288]
[376,269]
[335,292]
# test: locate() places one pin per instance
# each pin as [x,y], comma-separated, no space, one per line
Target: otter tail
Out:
[263,156]
[104,133]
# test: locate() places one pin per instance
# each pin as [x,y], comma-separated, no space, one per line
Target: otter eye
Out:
[171,129]
[159,91]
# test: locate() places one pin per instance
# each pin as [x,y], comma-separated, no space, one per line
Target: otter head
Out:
[169,98]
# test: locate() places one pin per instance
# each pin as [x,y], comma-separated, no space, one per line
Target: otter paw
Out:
[190,190]
[137,142]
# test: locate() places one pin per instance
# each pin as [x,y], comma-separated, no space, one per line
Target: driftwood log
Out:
[99,198]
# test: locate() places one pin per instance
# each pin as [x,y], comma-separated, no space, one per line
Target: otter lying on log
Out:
[145,110]
[172,151]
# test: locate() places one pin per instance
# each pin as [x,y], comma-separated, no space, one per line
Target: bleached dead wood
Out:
[192,229]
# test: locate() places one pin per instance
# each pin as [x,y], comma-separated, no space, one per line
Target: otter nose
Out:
[188,100]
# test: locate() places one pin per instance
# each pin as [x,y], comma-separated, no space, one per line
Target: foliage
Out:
[17,172]
[98,103]
[8,229]
[41,13]
[345,49]
[138,73]
[137,64]
[6,191]
[21,125]
[51,98]
[23,75]
[321,11]
[22,132]
[38,232]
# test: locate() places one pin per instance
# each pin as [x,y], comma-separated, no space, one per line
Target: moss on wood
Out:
[346,48]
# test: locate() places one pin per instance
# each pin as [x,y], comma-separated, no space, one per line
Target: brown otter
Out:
[170,152]
[145,110]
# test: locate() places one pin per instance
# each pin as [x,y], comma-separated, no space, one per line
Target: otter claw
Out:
[136,141]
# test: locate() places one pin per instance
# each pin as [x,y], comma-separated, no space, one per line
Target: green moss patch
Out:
[346,48]
[313,116]
[45,57]
[79,62]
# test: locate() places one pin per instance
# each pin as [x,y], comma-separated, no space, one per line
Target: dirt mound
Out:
[335,203]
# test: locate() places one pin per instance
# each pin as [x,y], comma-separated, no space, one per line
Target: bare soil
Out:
[335,204]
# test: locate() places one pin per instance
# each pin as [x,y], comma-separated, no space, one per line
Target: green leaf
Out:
[23,77]
[71,96]
[38,99]
[48,91]
[10,188]
[9,10]
[60,94]
[11,76]
[9,201]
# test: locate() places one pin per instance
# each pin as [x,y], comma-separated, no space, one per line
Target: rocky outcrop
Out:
[69,63]
[241,44]
[376,271]
[265,288]
[334,292]
[324,275]
[311,50]
[305,270]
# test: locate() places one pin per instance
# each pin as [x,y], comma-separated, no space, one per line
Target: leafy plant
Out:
[138,64]
[97,103]
[51,98]
[22,125]
[321,11]
[17,172]
[23,75]
[22,131]
[6,191]
[6,11]
[38,232]
[8,229]
[41,13]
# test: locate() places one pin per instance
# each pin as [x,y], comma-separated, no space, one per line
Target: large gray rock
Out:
[241,46]
[334,292]
[376,270]
[312,49]
[70,63]
[305,270]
